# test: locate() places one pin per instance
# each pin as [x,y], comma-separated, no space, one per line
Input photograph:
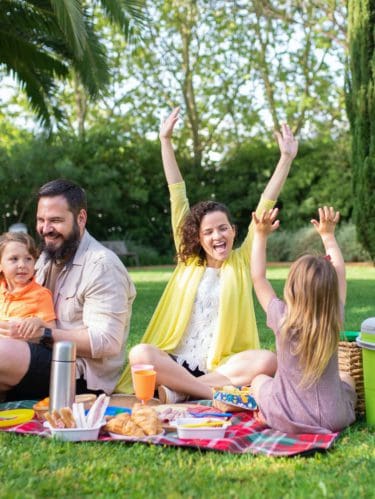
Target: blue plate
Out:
[113,410]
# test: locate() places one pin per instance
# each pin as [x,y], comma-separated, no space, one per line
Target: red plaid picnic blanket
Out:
[245,435]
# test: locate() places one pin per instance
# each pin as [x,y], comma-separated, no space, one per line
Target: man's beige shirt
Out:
[94,291]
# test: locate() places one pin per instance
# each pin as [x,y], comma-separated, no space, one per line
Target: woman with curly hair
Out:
[203,332]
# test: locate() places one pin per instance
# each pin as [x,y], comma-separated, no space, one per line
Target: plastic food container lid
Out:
[348,335]
[368,326]
[365,344]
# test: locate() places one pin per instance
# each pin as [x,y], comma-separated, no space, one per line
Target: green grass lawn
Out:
[36,467]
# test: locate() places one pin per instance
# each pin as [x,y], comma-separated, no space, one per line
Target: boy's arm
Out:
[288,146]
[328,218]
[263,226]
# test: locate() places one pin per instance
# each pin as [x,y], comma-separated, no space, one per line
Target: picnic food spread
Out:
[76,418]
[143,421]
[61,419]
[42,406]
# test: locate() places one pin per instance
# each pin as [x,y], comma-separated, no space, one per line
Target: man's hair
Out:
[74,194]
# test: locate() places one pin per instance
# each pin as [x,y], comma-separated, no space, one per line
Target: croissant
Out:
[132,429]
[116,425]
[143,421]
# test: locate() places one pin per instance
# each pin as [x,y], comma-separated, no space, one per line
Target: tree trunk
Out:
[81,104]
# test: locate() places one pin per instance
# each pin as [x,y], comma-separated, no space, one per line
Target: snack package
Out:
[229,397]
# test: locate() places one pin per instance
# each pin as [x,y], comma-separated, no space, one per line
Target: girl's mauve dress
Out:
[324,407]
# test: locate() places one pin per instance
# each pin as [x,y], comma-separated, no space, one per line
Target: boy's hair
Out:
[74,194]
[18,237]
[313,319]
[188,231]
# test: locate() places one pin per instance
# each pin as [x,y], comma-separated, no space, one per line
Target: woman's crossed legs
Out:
[239,370]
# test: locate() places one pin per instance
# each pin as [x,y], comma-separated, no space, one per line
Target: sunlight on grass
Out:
[151,275]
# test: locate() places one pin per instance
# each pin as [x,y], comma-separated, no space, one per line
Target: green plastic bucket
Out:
[368,330]
[366,341]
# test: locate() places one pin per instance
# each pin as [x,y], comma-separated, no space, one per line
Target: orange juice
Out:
[144,384]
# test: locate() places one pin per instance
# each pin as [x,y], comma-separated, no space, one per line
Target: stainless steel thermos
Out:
[62,388]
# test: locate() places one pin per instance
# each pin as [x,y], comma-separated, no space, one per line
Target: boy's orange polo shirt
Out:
[33,300]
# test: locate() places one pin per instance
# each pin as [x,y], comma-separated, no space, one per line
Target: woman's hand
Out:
[288,144]
[166,128]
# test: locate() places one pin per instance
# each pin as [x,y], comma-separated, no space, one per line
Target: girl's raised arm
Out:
[171,169]
[328,218]
[263,226]
[288,146]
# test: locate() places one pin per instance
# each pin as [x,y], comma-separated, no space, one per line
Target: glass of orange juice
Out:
[144,379]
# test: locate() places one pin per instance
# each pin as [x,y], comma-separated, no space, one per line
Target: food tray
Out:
[75,434]
[198,428]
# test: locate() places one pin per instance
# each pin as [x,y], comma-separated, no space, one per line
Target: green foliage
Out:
[361,111]
[127,192]
[237,69]
[279,246]
[41,40]
[322,165]
[305,240]
[126,189]
[352,249]
[287,245]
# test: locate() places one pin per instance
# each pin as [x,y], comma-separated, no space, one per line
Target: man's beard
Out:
[67,248]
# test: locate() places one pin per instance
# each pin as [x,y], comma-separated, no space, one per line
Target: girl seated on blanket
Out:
[308,393]
[203,332]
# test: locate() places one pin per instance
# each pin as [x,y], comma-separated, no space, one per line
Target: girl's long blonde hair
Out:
[313,318]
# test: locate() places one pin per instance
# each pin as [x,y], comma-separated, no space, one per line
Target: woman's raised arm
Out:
[171,169]
[288,150]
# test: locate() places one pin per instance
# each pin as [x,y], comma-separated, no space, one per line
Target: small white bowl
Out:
[75,434]
[194,428]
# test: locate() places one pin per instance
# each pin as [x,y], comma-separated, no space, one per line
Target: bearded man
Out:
[93,296]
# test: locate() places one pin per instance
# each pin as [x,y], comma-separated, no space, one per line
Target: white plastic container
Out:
[75,434]
[199,428]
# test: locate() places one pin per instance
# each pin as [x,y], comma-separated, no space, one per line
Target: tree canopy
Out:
[237,69]
[42,41]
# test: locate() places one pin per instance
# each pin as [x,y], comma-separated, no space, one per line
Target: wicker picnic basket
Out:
[350,361]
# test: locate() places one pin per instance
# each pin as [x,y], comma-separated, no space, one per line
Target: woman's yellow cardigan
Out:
[237,329]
